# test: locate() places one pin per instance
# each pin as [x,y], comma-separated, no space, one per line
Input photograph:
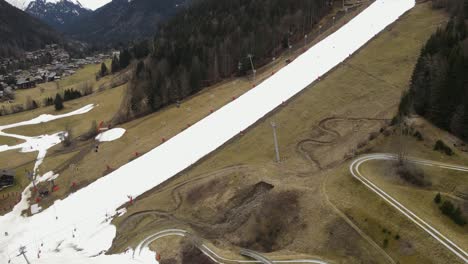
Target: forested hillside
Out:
[121,21]
[211,40]
[20,32]
[439,86]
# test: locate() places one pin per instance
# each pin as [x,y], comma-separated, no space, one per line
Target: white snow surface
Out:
[88,210]
[40,143]
[110,135]
[92,4]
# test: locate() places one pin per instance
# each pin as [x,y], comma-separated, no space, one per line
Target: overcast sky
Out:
[91,4]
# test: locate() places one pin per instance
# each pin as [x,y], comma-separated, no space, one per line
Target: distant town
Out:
[45,65]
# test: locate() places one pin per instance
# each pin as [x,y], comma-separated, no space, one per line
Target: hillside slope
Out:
[211,40]
[20,32]
[123,20]
[94,235]
[367,86]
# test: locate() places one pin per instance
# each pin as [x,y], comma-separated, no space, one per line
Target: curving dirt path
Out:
[336,136]
[176,196]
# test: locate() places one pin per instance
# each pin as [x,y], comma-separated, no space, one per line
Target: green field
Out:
[50,89]
[9,141]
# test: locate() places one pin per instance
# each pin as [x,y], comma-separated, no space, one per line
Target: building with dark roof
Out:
[7,178]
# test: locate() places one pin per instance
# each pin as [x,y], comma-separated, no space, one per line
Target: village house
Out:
[52,76]
[25,83]
[7,178]
[45,65]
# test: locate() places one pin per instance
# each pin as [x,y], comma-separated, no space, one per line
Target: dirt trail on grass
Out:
[323,125]
[177,197]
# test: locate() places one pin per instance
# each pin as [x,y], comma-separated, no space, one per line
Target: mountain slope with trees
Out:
[123,20]
[20,32]
[211,40]
[58,15]
[439,86]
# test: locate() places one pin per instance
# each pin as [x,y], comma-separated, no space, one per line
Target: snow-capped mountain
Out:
[59,13]
[21,4]
[118,21]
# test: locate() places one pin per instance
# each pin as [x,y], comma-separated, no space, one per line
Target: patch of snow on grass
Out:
[110,135]
[40,143]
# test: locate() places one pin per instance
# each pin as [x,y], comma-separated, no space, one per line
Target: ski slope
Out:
[76,230]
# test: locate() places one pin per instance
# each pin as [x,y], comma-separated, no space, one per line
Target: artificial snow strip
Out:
[77,229]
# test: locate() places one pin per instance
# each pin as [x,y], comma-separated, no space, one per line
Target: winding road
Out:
[354,169]
[255,255]
[213,255]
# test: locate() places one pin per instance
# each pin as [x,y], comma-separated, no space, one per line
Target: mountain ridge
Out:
[20,32]
[58,14]
[116,21]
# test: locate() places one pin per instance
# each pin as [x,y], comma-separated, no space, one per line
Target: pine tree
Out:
[215,68]
[458,218]
[447,208]
[104,71]
[465,7]
[195,74]
[437,198]
[141,49]
[456,122]
[125,58]
[115,66]
[58,102]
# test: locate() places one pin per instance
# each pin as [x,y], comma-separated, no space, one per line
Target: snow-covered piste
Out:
[77,230]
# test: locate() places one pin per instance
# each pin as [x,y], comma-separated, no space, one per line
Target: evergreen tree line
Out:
[439,85]
[210,40]
[137,51]
[71,94]
[57,102]
[449,209]
[68,95]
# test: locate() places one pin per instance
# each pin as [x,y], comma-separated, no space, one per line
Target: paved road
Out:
[354,169]
[213,255]
[255,255]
